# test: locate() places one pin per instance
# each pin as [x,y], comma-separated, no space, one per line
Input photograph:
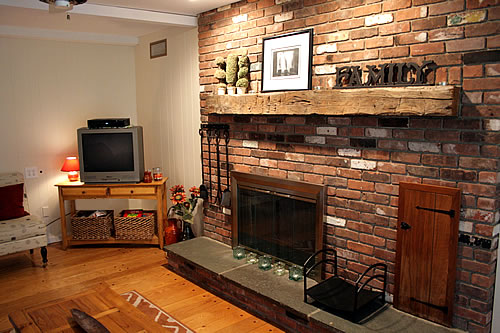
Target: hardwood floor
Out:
[23,282]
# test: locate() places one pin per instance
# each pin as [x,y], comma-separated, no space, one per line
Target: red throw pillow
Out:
[11,202]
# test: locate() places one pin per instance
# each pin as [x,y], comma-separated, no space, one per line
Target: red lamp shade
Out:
[72,166]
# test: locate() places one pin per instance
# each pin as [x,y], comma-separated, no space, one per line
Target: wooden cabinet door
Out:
[426,251]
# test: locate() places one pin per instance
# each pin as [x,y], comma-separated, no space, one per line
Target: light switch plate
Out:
[45,211]
[31,172]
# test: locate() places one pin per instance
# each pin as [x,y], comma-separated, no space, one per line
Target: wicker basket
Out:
[84,227]
[135,228]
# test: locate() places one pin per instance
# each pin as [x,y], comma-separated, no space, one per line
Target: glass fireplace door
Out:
[280,225]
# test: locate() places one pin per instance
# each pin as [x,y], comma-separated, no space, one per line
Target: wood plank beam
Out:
[113,12]
[390,101]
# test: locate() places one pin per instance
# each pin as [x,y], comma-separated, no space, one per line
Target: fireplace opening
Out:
[279,217]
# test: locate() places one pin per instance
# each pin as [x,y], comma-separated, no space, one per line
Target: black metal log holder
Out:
[214,134]
[338,296]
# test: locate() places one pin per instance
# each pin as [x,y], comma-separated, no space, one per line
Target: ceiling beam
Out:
[73,36]
[114,12]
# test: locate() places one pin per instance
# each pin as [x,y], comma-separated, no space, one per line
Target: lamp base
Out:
[73,176]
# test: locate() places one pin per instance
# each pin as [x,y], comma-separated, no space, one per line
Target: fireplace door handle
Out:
[405,226]
[284,195]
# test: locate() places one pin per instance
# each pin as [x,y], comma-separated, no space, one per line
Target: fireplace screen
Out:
[275,224]
[278,217]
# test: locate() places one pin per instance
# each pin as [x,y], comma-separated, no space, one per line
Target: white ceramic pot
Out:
[221,91]
[242,90]
[230,91]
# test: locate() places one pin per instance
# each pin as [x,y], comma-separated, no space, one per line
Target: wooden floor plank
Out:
[243,326]
[218,317]
[23,283]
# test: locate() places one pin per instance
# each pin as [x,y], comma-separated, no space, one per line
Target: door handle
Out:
[405,226]
[451,212]
[439,307]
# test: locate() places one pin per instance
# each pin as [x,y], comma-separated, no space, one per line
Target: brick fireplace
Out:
[361,159]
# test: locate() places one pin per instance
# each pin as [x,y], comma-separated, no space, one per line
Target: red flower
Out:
[183,206]
[177,188]
[178,198]
[195,191]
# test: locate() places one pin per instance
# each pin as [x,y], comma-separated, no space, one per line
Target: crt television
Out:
[111,155]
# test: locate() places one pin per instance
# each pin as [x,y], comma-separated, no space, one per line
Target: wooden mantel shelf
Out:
[387,101]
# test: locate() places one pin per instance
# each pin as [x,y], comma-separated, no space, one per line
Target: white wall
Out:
[495,322]
[48,89]
[168,105]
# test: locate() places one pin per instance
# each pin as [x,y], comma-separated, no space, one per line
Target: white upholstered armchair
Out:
[19,231]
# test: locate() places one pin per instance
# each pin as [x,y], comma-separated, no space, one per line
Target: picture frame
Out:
[287,61]
[158,49]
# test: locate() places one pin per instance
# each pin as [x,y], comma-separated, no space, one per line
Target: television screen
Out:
[111,155]
[106,152]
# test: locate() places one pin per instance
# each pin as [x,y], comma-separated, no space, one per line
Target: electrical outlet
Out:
[31,172]
[486,244]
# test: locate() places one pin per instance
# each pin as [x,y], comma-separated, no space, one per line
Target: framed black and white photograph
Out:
[287,61]
[158,49]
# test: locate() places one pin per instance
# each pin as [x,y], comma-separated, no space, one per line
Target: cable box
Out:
[108,123]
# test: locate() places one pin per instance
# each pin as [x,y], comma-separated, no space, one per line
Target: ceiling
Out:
[111,21]
[185,7]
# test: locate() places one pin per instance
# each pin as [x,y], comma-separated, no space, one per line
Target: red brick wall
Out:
[362,159]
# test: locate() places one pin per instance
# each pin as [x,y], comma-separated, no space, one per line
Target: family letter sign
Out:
[395,74]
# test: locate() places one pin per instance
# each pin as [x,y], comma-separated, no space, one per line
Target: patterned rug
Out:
[161,317]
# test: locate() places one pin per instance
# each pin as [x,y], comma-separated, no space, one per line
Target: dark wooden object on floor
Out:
[426,254]
[353,301]
[106,306]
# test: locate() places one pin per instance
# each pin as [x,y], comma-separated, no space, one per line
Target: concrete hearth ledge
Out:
[217,258]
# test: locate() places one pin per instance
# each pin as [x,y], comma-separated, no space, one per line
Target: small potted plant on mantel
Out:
[242,83]
[231,72]
[220,74]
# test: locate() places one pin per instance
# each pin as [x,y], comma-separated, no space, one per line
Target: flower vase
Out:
[187,232]
[172,233]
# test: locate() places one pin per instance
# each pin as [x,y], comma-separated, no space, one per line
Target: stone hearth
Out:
[276,299]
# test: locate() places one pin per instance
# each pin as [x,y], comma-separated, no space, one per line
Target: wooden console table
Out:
[72,191]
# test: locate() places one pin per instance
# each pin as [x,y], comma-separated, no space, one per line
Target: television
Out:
[111,155]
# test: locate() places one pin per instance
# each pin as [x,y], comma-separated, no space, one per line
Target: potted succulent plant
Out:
[231,72]
[220,75]
[242,83]
[221,89]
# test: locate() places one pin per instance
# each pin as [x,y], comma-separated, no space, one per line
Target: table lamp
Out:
[72,166]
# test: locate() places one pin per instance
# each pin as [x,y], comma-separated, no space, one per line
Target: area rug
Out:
[157,314]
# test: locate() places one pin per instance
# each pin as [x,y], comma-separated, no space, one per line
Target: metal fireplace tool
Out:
[214,134]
